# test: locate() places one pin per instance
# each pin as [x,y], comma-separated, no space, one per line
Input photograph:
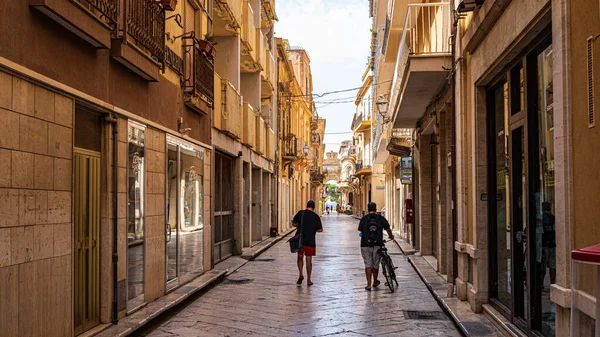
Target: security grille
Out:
[424,315]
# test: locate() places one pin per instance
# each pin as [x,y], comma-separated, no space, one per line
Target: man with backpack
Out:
[371,228]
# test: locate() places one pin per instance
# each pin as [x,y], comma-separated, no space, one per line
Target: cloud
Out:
[336,34]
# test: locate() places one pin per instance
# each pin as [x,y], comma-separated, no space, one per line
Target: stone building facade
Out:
[119,153]
[501,140]
[300,134]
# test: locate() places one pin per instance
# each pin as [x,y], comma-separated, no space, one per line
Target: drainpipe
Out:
[115,252]
[453,151]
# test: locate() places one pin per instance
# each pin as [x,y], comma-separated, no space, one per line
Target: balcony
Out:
[249,126]
[290,147]
[316,178]
[140,45]
[227,110]
[314,123]
[423,55]
[267,14]
[268,75]
[227,18]
[315,139]
[361,123]
[199,72]
[249,41]
[399,143]
[261,135]
[362,170]
[270,145]
[92,20]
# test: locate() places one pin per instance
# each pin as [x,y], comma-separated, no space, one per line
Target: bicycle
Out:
[387,266]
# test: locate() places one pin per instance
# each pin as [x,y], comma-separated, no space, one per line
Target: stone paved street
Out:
[271,304]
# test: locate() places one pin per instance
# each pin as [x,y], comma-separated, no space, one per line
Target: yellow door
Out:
[86,199]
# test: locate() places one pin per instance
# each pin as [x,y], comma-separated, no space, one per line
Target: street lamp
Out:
[306,150]
[382,107]
[465,6]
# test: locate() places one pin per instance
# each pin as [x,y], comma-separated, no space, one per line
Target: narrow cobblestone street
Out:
[262,299]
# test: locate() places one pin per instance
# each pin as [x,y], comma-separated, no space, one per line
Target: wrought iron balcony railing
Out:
[290,146]
[107,10]
[316,177]
[357,121]
[199,70]
[145,22]
[399,133]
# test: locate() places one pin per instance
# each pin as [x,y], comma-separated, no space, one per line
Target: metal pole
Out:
[453,148]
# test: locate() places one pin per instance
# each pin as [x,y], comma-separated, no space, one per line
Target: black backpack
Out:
[372,233]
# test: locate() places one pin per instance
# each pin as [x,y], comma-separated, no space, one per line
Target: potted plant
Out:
[169,5]
[213,51]
[205,45]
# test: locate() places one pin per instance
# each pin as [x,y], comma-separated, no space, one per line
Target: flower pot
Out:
[205,45]
[169,5]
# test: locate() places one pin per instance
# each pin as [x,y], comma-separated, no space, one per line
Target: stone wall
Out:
[36,152]
[155,214]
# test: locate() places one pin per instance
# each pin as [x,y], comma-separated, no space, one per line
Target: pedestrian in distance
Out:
[370,229]
[309,224]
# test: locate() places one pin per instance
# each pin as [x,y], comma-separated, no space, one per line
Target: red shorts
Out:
[308,251]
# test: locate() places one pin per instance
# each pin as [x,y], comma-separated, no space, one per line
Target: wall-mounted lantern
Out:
[382,108]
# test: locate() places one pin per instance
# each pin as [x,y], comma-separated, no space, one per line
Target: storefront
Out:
[136,217]
[185,211]
[521,199]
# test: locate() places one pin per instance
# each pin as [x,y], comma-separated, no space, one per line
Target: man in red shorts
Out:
[310,222]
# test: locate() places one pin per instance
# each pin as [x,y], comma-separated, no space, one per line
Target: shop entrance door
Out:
[509,198]
[518,220]
[224,214]
[86,198]
[185,212]
[87,190]
[521,192]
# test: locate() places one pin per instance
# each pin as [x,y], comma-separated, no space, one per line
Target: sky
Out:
[336,35]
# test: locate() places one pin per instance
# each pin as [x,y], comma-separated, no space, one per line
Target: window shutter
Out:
[590,79]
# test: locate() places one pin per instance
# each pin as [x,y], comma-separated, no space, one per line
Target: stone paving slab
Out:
[130,324]
[261,297]
[469,323]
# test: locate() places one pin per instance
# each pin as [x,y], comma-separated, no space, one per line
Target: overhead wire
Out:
[338,91]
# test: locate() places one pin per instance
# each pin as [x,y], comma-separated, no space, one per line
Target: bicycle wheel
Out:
[388,272]
[384,271]
[393,272]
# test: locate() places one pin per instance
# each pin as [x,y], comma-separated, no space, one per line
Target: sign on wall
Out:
[406,170]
